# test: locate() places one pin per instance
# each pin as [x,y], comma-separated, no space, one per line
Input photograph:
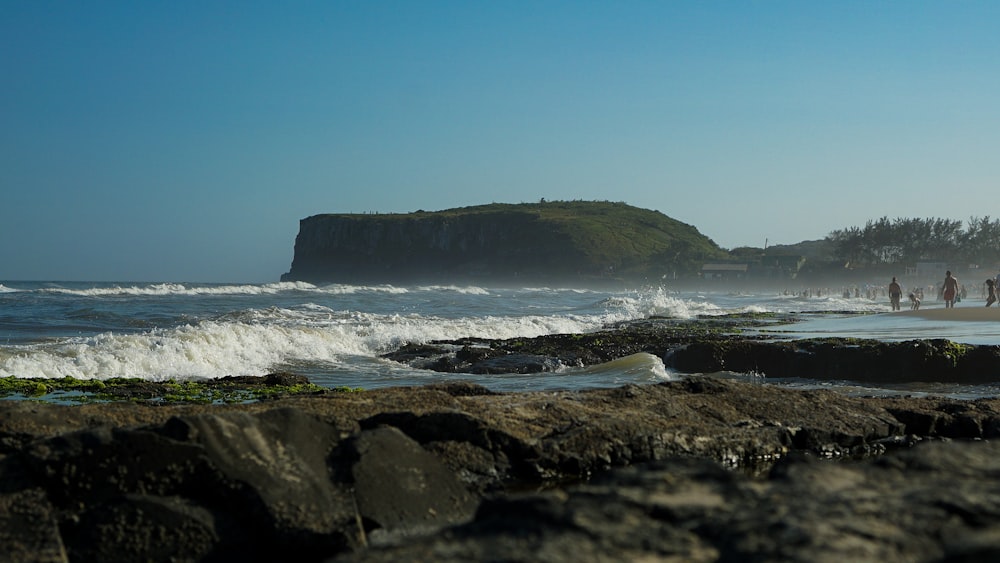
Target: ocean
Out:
[334,334]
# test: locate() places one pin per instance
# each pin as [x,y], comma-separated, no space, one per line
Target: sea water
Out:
[335,334]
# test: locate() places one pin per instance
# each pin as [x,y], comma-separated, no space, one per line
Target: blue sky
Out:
[183,141]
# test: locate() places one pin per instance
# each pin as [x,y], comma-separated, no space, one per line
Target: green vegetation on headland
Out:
[558,240]
[616,237]
[209,391]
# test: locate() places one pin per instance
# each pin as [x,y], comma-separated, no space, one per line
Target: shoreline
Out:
[959,314]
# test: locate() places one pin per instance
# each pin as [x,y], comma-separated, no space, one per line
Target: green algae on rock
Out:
[226,390]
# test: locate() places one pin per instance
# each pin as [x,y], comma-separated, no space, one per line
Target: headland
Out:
[581,242]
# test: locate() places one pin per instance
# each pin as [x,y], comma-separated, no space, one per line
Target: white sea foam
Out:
[254,342]
[558,290]
[798,304]
[661,303]
[465,290]
[5,289]
[344,289]
[207,350]
[159,289]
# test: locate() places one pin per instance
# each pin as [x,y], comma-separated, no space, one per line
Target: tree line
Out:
[885,241]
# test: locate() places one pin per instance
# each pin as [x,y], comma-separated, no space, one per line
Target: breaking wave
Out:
[254,342]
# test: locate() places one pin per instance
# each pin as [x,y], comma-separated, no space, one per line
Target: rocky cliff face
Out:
[554,241]
[393,248]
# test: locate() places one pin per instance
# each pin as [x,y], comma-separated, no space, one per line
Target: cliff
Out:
[548,241]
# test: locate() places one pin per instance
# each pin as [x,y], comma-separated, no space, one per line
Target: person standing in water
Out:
[895,293]
[991,291]
[949,289]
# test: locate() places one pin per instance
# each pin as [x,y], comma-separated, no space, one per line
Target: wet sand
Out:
[968,313]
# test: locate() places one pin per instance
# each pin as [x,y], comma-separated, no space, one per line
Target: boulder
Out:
[400,489]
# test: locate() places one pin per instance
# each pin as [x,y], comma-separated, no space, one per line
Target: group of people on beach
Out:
[951,292]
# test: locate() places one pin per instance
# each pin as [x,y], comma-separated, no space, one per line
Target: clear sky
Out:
[183,141]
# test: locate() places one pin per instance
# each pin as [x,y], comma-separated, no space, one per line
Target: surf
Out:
[256,341]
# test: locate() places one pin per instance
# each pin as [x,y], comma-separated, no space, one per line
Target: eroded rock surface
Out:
[713,345]
[936,502]
[700,469]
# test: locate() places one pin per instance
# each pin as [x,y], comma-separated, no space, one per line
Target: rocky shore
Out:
[699,469]
[717,344]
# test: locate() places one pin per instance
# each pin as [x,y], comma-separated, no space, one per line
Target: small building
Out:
[724,271]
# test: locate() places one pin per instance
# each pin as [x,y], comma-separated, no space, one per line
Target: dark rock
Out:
[461,389]
[837,358]
[147,527]
[700,469]
[29,530]
[936,502]
[282,379]
[239,484]
[413,353]
[482,456]
[472,360]
[400,488]
[515,363]
[273,467]
[708,346]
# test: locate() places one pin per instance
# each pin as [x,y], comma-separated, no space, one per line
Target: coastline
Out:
[459,472]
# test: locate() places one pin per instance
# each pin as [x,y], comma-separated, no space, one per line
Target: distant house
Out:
[723,271]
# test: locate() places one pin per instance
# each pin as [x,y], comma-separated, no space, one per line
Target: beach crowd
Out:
[950,291]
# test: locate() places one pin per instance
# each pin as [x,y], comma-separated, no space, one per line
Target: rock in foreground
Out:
[682,470]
